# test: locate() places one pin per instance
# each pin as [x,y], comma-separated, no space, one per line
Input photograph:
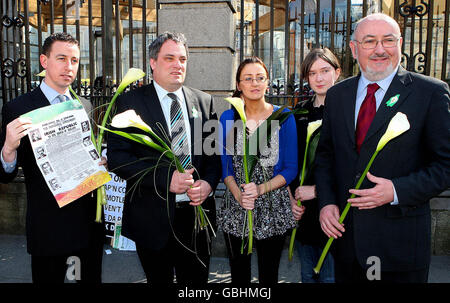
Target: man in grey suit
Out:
[390,217]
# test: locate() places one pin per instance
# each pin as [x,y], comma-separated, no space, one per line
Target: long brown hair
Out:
[250,60]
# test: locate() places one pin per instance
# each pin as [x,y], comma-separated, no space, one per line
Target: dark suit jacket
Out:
[50,230]
[417,162]
[146,211]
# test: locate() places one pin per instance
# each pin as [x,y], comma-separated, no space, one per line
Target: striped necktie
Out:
[180,145]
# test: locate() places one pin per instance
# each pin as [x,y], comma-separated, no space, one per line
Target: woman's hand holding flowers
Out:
[305,192]
[249,195]
[297,211]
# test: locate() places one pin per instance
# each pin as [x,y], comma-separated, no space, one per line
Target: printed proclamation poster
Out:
[64,152]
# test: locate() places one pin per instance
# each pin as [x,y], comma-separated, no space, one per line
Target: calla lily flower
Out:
[129,118]
[397,126]
[42,74]
[238,104]
[131,76]
[312,127]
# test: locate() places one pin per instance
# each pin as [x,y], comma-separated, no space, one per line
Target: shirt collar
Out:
[383,84]
[162,93]
[51,94]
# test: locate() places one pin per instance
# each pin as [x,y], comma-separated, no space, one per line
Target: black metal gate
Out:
[282,32]
[113,36]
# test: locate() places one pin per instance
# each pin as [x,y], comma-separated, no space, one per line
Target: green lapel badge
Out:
[392,100]
[194,112]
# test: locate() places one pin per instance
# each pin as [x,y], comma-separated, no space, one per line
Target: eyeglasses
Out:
[372,43]
[250,80]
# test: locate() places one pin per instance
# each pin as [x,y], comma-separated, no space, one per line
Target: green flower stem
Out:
[101,194]
[247,180]
[200,212]
[299,203]
[344,214]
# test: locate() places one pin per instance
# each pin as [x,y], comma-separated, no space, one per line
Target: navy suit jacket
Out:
[148,212]
[417,162]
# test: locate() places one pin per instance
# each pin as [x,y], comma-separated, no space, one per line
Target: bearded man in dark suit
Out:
[54,234]
[390,217]
[159,205]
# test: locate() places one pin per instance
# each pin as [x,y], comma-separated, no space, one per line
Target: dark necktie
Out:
[366,114]
[180,145]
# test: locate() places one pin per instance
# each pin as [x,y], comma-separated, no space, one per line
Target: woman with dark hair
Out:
[321,69]
[267,194]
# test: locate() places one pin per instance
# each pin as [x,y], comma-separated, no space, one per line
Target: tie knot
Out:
[172,96]
[62,98]
[372,88]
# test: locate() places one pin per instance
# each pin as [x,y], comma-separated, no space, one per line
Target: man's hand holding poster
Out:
[64,152]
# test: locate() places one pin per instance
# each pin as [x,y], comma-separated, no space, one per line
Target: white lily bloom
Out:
[398,125]
[239,106]
[129,118]
[42,74]
[312,127]
[131,76]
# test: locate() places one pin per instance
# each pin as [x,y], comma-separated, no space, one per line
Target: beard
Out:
[373,75]
[377,75]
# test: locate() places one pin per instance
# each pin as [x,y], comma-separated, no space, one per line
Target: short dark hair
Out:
[323,53]
[156,44]
[64,37]
[250,60]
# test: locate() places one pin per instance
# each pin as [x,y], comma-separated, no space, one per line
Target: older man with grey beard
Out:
[390,217]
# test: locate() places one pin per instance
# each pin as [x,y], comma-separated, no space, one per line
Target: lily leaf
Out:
[265,131]
[312,147]
[142,139]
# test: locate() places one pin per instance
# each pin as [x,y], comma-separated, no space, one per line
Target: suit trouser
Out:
[53,269]
[191,265]
[355,273]
[269,254]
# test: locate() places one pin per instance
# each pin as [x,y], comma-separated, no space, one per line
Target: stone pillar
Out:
[13,204]
[209,27]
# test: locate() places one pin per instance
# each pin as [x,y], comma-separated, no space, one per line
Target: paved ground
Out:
[124,266]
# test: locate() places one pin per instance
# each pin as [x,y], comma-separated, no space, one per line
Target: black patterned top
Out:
[272,214]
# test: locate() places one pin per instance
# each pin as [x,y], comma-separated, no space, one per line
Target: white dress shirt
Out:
[166,102]
[379,95]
